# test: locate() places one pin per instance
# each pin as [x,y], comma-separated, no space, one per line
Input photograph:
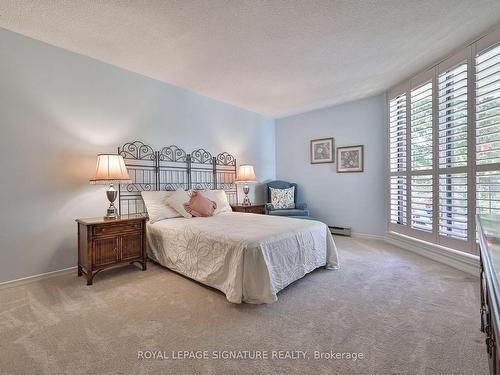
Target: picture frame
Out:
[323,150]
[350,159]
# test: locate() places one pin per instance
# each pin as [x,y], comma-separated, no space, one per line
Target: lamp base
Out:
[112,212]
[246,200]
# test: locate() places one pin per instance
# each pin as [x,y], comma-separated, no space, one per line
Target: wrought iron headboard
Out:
[172,168]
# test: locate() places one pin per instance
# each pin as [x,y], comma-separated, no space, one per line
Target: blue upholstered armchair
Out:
[300,208]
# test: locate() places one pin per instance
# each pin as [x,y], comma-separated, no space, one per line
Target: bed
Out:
[248,257]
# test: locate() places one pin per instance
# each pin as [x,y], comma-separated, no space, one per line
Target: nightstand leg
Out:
[144,266]
[80,273]
[89,278]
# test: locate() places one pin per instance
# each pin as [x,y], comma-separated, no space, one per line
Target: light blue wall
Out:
[58,110]
[352,199]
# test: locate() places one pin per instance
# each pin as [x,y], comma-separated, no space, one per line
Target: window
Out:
[444,146]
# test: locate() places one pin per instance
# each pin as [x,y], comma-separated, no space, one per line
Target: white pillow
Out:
[177,201]
[156,206]
[219,197]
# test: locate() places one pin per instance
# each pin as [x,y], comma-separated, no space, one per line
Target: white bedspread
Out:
[249,257]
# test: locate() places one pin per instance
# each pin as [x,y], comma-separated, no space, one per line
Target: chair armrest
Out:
[301,206]
[269,207]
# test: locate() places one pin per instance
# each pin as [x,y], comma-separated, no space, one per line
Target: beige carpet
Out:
[405,313]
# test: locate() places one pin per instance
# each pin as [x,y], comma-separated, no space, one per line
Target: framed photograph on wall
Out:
[350,159]
[322,150]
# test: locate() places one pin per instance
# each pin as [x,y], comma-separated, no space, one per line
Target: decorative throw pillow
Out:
[200,206]
[283,198]
[219,197]
[177,201]
[156,206]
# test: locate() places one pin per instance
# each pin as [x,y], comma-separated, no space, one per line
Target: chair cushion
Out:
[289,212]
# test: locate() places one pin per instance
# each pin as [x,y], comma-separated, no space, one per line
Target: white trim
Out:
[454,60]
[422,79]
[398,90]
[31,279]
[457,259]
[488,40]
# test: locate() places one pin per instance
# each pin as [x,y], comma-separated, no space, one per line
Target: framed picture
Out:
[322,150]
[350,159]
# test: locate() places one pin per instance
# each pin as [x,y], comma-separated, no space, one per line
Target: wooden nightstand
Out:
[253,208]
[104,243]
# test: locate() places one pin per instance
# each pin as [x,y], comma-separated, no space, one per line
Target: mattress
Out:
[248,257]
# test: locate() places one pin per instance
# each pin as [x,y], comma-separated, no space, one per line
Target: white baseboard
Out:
[464,262]
[31,279]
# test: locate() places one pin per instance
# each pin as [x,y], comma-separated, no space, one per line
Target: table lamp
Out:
[110,169]
[246,175]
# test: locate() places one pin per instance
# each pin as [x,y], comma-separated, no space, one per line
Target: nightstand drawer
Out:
[108,230]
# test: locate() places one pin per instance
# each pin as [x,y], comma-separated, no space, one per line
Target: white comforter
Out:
[248,257]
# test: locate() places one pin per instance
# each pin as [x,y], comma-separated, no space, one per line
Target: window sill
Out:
[457,259]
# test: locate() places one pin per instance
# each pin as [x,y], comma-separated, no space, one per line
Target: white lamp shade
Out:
[110,168]
[246,174]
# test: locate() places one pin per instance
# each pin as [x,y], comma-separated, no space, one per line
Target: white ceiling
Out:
[274,57]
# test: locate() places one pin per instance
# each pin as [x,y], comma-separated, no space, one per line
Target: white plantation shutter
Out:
[421,127]
[421,157]
[397,133]
[488,192]
[453,140]
[444,147]
[398,200]
[453,205]
[452,117]
[488,106]
[397,150]
[421,203]
[488,131]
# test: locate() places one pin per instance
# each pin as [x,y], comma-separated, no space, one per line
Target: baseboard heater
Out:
[343,231]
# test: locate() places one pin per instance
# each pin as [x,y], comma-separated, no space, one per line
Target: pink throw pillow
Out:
[200,206]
